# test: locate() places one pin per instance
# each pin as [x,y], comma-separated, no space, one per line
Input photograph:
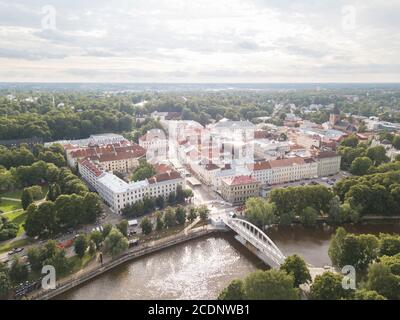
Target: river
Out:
[200,269]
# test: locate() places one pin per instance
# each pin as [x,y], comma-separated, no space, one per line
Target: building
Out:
[328,163]
[120,156]
[117,193]
[262,172]
[292,169]
[154,138]
[236,190]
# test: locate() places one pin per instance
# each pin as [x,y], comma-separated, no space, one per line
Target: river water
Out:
[201,268]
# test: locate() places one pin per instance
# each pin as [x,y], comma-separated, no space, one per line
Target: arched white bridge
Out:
[270,253]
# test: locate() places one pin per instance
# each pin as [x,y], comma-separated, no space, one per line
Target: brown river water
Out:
[201,268]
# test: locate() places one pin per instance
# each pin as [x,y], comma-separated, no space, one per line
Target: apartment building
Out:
[328,163]
[117,193]
[120,156]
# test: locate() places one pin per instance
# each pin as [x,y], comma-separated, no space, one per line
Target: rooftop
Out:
[239,180]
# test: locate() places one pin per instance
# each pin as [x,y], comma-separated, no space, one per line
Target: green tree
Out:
[383,281]
[146,225]
[81,245]
[159,221]
[169,218]
[5,285]
[297,267]
[234,291]
[180,215]
[328,286]
[97,237]
[54,192]
[309,217]
[26,198]
[360,166]
[270,285]
[364,294]
[115,243]
[192,214]
[377,155]
[260,212]
[389,245]
[203,213]
[351,141]
[123,227]
[18,272]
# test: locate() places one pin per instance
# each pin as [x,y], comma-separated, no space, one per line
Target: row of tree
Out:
[170,218]
[25,156]
[376,256]
[283,284]
[149,204]
[67,211]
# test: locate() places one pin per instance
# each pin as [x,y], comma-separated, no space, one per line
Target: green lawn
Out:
[16,194]
[19,218]
[6,246]
[80,263]
[9,205]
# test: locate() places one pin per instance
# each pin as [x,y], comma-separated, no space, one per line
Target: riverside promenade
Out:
[96,269]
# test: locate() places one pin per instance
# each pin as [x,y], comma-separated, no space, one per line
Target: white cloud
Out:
[208,40]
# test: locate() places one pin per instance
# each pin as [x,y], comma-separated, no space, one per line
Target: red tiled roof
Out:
[169,175]
[92,167]
[262,165]
[286,162]
[239,180]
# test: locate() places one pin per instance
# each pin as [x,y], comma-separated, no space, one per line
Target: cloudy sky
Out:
[200,41]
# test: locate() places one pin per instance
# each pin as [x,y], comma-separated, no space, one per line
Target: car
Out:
[14,251]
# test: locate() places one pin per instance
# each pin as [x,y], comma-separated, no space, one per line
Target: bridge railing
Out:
[264,244]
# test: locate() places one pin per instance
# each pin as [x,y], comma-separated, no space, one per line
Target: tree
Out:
[97,237]
[270,285]
[260,212]
[203,213]
[115,243]
[335,215]
[92,247]
[309,217]
[5,285]
[350,249]
[360,166]
[364,294]
[26,198]
[18,272]
[81,245]
[123,227]
[160,202]
[383,281]
[377,155]
[351,141]
[396,142]
[144,171]
[54,192]
[297,267]
[328,286]
[389,245]
[192,214]
[146,226]
[159,221]
[180,215]
[169,218]
[106,230]
[234,291]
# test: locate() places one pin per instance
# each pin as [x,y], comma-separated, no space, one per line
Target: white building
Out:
[117,193]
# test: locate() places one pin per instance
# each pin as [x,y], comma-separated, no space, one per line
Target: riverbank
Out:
[109,263]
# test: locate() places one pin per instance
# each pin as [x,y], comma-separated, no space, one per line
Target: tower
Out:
[334,117]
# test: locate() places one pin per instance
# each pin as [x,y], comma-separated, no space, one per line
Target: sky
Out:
[186,41]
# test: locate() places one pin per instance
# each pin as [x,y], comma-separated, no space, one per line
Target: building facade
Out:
[236,190]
